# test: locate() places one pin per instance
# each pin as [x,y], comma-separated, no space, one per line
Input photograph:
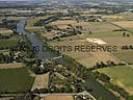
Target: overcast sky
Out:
[15,0]
[44,0]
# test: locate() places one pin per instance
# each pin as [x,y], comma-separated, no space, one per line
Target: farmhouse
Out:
[91,18]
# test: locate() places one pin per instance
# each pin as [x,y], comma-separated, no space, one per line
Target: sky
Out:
[15,0]
[42,0]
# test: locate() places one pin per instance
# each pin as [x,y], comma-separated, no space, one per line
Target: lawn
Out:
[121,76]
[15,80]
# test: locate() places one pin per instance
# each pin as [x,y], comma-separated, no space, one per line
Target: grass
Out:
[9,42]
[121,76]
[15,80]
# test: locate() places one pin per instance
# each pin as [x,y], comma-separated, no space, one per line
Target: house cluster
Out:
[60,33]
[91,18]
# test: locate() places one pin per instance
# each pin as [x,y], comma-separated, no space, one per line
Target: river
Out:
[37,44]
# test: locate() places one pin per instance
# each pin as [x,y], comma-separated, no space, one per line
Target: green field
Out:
[121,76]
[15,80]
[8,42]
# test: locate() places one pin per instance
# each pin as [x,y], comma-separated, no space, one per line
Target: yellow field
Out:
[125,24]
[11,66]
[58,97]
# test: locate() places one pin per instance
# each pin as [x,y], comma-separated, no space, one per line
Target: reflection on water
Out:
[37,44]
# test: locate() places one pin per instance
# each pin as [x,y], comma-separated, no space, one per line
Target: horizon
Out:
[44,0]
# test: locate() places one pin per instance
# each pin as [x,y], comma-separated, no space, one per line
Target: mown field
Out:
[15,80]
[121,76]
